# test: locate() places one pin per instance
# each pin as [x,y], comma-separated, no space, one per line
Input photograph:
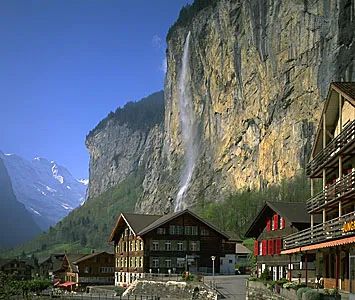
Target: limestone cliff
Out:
[259,73]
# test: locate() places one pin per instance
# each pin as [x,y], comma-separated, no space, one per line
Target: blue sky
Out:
[65,64]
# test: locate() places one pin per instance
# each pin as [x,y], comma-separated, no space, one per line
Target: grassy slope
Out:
[236,212]
[89,226]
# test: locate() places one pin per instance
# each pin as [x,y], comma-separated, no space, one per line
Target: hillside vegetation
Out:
[236,212]
[87,227]
[141,115]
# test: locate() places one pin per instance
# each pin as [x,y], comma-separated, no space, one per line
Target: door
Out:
[352,277]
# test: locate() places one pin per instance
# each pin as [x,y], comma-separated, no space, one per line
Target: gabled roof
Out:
[71,258]
[89,256]
[142,224]
[241,249]
[136,222]
[295,213]
[330,109]
[168,217]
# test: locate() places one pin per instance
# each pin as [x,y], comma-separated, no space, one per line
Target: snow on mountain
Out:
[47,189]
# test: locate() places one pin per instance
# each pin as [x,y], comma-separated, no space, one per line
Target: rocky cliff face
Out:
[260,71]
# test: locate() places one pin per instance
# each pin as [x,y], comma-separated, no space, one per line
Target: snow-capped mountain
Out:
[48,190]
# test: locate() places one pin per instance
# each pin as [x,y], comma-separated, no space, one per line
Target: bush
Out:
[333,292]
[265,275]
[312,295]
[301,291]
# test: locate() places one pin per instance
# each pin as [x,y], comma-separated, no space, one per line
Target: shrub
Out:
[301,291]
[312,295]
[252,278]
[333,292]
[265,275]
[282,281]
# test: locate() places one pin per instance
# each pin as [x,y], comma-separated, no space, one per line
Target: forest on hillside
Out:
[89,227]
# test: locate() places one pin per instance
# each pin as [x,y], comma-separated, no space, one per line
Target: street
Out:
[230,286]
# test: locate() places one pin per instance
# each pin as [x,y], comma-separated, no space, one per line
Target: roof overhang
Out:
[334,243]
[330,111]
[121,222]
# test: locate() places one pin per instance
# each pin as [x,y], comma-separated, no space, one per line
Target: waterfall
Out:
[188,128]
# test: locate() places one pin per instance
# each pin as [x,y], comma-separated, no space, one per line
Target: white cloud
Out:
[157,42]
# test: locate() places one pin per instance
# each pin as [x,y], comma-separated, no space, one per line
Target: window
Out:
[204,231]
[179,229]
[180,262]
[155,245]
[180,246]
[194,246]
[155,262]
[187,230]
[141,262]
[161,230]
[230,261]
[260,248]
[167,246]
[141,242]
[194,230]
[87,270]
[172,229]
[168,263]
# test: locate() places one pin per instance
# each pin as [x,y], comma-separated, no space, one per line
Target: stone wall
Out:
[258,291]
[170,290]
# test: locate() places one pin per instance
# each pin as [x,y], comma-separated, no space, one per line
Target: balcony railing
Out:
[343,187]
[332,229]
[341,141]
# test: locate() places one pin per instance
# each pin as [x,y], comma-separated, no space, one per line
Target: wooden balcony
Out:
[330,230]
[342,190]
[328,156]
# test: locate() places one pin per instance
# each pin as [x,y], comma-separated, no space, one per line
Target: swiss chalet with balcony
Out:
[333,165]
[168,244]
[275,221]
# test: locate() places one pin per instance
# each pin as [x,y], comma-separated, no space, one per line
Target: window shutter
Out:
[264,247]
[278,246]
[268,225]
[283,223]
[256,247]
[276,222]
[270,247]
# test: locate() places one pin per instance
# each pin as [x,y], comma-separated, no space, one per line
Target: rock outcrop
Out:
[259,73]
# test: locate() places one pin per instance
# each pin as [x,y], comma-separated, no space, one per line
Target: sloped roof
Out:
[168,217]
[136,222]
[347,89]
[90,256]
[71,258]
[294,213]
[241,249]
[141,224]
[330,108]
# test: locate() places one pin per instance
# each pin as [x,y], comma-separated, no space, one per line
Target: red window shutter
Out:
[276,222]
[264,247]
[270,247]
[256,248]
[283,223]
[268,225]
[278,246]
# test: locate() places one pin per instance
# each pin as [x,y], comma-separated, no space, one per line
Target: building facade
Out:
[332,166]
[168,244]
[275,221]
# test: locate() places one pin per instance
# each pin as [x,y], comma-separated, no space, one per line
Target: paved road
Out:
[230,287]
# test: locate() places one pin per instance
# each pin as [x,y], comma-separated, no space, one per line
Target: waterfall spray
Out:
[188,127]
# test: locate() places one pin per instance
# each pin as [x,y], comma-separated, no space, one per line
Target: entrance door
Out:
[352,276]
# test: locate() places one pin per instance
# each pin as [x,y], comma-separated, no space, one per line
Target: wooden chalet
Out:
[74,270]
[168,244]
[18,268]
[275,221]
[332,164]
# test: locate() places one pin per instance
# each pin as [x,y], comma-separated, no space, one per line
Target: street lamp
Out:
[213,259]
